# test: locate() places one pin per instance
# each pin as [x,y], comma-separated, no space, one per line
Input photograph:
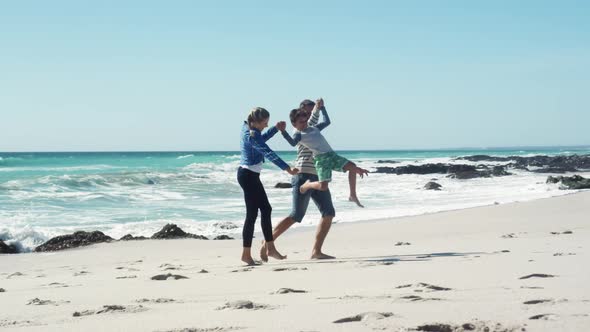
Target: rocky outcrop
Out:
[130,237]
[7,248]
[78,239]
[171,231]
[223,237]
[458,171]
[570,182]
[544,164]
[432,186]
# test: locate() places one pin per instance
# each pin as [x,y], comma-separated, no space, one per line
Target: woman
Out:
[254,151]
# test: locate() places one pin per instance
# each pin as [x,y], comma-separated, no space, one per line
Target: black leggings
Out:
[255,197]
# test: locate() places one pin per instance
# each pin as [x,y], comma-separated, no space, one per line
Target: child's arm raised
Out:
[292,140]
[326,122]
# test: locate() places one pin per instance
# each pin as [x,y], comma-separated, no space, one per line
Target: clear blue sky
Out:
[182,75]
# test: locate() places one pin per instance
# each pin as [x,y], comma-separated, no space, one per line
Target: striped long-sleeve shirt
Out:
[304,155]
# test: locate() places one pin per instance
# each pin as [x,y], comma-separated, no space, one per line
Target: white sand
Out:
[460,250]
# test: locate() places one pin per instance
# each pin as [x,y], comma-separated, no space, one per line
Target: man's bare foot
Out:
[303,188]
[321,255]
[263,254]
[355,199]
[275,254]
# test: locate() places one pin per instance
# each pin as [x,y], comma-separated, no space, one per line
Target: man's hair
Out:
[306,102]
[297,113]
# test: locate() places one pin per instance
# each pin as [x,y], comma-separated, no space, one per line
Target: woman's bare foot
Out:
[303,188]
[321,255]
[355,199]
[263,252]
[274,253]
[248,260]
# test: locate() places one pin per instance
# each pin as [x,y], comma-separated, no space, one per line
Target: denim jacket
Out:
[254,149]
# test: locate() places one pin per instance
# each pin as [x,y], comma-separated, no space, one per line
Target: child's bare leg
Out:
[316,185]
[353,170]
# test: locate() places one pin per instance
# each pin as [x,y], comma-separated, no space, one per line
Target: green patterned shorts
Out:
[325,163]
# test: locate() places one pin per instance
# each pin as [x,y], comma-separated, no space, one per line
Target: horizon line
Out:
[530,147]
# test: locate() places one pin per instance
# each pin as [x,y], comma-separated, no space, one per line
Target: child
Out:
[325,159]
[254,150]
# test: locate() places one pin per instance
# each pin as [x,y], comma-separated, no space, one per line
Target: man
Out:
[322,199]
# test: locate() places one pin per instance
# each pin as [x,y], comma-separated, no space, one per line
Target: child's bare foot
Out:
[355,199]
[263,254]
[303,188]
[321,255]
[274,253]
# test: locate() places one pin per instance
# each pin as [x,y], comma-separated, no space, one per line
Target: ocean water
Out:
[48,194]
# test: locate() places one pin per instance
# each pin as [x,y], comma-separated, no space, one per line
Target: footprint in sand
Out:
[108,309]
[367,316]
[129,269]
[402,244]
[127,277]
[169,267]
[416,298]
[37,301]
[475,326]
[564,254]
[280,269]
[160,300]
[203,271]
[247,269]
[14,323]
[288,291]
[15,274]
[560,233]
[544,317]
[244,304]
[57,285]
[2,290]
[537,301]
[81,273]
[168,276]
[424,287]
[211,329]
[537,275]
[509,236]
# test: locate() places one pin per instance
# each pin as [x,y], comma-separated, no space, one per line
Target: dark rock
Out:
[415,169]
[2,290]
[225,225]
[499,171]
[559,169]
[458,171]
[432,186]
[570,182]
[171,231]
[547,164]
[283,185]
[223,237]
[150,181]
[387,162]
[130,237]
[7,248]
[78,239]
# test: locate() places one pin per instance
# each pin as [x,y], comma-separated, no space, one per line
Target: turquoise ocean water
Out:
[48,194]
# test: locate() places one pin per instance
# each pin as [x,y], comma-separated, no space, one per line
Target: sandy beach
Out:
[508,267]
